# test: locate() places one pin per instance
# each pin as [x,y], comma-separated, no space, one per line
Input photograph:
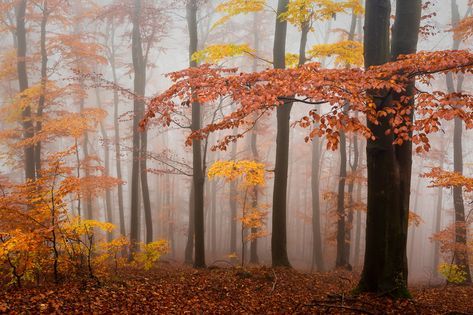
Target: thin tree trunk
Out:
[413,227]
[356,258]
[317,256]
[116,128]
[145,186]
[189,250]
[44,80]
[341,261]
[106,149]
[353,168]
[138,88]
[460,249]
[213,218]
[254,149]
[254,203]
[233,204]
[438,220]
[27,123]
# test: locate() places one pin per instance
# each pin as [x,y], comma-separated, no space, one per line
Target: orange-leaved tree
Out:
[361,89]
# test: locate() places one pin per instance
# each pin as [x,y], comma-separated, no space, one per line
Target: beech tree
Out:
[389,127]
[198,175]
[460,254]
[27,122]
[389,165]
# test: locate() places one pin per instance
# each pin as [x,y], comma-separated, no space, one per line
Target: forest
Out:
[236,156]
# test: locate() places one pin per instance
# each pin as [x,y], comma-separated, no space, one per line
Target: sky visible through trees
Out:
[263,140]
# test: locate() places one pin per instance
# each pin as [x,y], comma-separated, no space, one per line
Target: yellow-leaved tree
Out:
[250,174]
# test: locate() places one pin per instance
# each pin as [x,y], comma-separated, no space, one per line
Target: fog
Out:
[90,66]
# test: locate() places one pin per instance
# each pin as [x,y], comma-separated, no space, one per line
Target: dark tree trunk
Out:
[279,237]
[389,167]
[317,258]
[342,260]
[27,123]
[356,256]
[197,165]
[461,248]
[233,206]
[189,251]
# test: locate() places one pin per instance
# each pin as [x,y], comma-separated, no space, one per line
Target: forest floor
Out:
[258,290]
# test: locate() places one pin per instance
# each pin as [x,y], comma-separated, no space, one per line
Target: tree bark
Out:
[197,165]
[341,260]
[138,88]
[438,220]
[461,248]
[279,233]
[233,204]
[106,150]
[317,257]
[144,184]
[353,168]
[116,128]
[27,123]
[44,80]
[389,168]
[189,250]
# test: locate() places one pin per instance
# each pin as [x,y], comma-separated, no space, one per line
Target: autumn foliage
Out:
[343,90]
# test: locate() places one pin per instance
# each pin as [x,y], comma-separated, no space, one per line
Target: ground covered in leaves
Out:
[261,290]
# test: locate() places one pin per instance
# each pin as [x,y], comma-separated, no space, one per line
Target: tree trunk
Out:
[413,227]
[116,128]
[27,123]
[253,145]
[189,251]
[317,257]
[233,205]
[279,237]
[342,261]
[144,184]
[44,80]
[197,165]
[356,257]
[106,149]
[438,220]
[353,168]
[213,218]
[389,168]
[461,248]
[138,88]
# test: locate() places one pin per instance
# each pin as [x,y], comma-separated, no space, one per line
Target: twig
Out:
[275,281]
